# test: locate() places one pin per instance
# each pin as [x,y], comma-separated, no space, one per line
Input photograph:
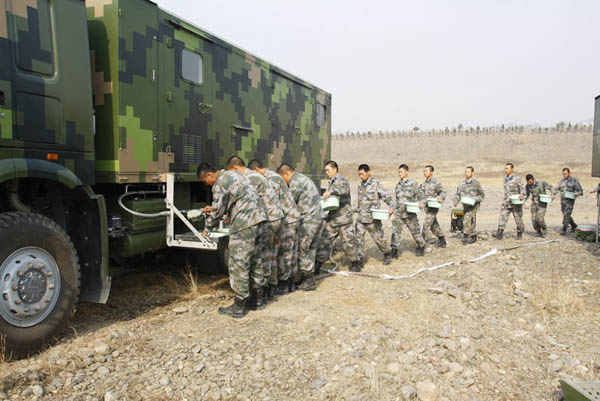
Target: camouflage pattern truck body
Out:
[106,96]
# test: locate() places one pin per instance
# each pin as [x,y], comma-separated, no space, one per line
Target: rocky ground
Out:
[508,327]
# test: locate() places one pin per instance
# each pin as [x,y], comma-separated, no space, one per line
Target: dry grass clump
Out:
[558,297]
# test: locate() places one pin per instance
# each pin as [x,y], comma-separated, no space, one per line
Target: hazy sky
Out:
[432,63]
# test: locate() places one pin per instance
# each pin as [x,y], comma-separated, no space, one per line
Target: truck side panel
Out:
[596,140]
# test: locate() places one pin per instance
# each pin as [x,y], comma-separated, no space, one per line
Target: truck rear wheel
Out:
[39,281]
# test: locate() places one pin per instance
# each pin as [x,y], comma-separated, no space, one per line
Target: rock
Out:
[477,334]
[408,392]
[435,290]
[581,370]
[102,371]
[220,294]
[348,371]
[556,366]
[571,362]
[164,381]
[199,367]
[553,357]
[495,358]
[467,296]
[454,292]
[317,384]
[455,367]
[445,333]
[102,349]
[180,310]
[37,390]
[427,391]
[520,333]
[110,396]
[394,368]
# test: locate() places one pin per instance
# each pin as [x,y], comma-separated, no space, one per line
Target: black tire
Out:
[36,234]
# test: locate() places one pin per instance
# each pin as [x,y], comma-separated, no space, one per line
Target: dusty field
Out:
[506,328]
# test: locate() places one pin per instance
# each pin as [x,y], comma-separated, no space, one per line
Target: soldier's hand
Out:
[207,209]
[391,211]
[525,207]
[421,205]
[204,233]
[326,194]
[521,196]
[455,203]
[439,199]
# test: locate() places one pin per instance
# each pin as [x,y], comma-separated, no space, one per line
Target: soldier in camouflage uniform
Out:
[370,194]
[513,185]
[339,222]
[567,184]
[407,190]
[306,195]
[232,195]
[285,258]
[535,188]
[265,253]
[432,189]
[470,188]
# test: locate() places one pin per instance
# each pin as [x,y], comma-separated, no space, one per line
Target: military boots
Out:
[420,251]
[272,292]
[499,234]
[469,239]
[441,242]
[308,283]
[318,266]
[387,258]
[237,309]
[573,226]
[256,300]
[394,253]
[564,230]
[519,234]
[283,287]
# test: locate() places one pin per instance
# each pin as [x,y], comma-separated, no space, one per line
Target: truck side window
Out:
[320,115]
[191,66]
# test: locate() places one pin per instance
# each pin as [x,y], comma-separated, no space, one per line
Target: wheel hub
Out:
[29,286]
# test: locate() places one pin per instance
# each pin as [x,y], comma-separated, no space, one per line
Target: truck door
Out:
[186,94]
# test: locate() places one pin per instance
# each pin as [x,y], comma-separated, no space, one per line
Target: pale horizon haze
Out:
[393,65]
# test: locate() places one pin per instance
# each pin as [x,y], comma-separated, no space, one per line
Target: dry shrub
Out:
[558,297]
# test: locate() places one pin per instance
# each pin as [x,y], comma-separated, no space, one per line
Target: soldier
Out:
[233,195]
[306,196]
[513,185]
[267,234]
[339,222]
[470,188]
[370,195]
[407,190]
[567,184]
[284,261]
[432,188]
[535,188]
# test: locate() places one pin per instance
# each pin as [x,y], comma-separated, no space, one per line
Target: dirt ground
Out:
[508,327]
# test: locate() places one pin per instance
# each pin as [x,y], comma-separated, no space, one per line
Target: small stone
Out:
[477,334]
[495,358]
[427,391]
[408,392]
[37,390]
[520,333]
[394,368]
[556,366]
[454,292]
[348,371]
[102,371]
[435,290]
[467,296]
[199,367]
[317,384]
[581,370]
[180,310]
[455,367]
[102,349]
[445,333]
[164,381]
[553,357]
[110,396]
[220,294]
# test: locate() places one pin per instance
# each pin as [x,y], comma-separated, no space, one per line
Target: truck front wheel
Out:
[39,281]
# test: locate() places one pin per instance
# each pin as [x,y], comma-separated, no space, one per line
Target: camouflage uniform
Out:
[432,188]
[472,189]
[370,195]
[307,198]
[407,190]
[233,195]
[570,184]
[286,260]
[339,222]
[266,253]
[538,209]
[513,185]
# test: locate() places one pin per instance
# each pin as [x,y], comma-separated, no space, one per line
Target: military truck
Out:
[102,103]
